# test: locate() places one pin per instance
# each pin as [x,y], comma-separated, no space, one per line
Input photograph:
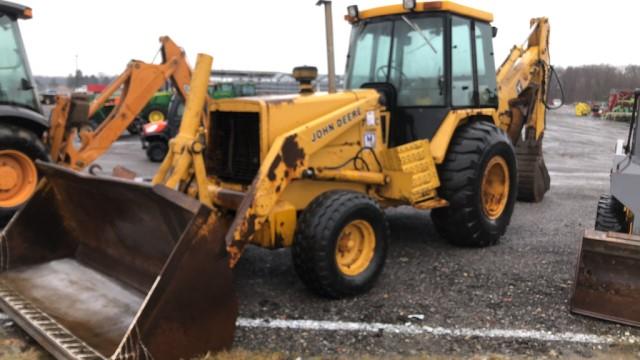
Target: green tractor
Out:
[155,111]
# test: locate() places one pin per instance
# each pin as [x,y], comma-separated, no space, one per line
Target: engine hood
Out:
[282,113]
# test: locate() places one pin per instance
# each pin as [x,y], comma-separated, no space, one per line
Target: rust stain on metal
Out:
[271,174]
[292,153]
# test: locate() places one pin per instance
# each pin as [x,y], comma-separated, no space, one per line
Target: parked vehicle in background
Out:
[582,109]
[48,97]
[156,110]
[155,135]
[620,106]
[22,122]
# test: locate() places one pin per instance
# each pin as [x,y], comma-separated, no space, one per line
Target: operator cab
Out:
[426,60]
[16,82]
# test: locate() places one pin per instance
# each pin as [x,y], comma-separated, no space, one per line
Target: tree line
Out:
[593,82]
[580,83]
[71,81]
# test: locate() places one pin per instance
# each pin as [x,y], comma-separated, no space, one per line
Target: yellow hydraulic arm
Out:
[523,80]
[138,83]
[522,83]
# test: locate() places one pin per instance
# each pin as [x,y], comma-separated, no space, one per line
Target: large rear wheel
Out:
[19,148]
[479,180]
[341,244]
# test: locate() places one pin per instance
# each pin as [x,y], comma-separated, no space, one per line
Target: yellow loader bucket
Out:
[607,283]
[97,268]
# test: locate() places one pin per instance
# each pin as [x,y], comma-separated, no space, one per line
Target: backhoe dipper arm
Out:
[522,84]
[139,82]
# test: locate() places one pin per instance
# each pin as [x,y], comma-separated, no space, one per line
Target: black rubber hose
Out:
[555,74]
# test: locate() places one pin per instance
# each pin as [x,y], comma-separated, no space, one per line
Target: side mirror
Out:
[26,84]
[494,31]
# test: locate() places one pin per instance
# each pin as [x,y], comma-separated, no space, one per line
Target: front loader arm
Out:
[285,162]
[522,84]
[139,83]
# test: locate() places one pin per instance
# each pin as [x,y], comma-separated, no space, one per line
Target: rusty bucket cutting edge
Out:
[97,268]
[607,280]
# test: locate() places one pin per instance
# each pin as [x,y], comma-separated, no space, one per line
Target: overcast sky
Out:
[280,34]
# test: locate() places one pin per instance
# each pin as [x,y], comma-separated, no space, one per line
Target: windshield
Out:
[15,79]
[406,52]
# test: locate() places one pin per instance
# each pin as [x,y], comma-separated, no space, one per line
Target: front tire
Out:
[479,180]
[610,215]
[157,150]
[19,148]
[340,245]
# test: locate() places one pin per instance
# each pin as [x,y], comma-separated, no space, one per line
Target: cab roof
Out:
[15,10]
[448,6]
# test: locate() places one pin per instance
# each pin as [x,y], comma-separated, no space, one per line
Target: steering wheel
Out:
[382,73]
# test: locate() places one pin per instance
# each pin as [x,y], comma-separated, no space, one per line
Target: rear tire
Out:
[157,150]
[14,138]
[610,215]
[479,155]
[340,245]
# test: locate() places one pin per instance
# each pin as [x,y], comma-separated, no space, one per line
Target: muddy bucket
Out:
[97,268]
[607,283]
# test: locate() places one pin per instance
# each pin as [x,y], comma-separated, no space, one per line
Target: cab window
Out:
[485,63]
[461,63]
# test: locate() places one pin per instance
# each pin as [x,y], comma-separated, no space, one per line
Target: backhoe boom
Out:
[138,83]
[523,80]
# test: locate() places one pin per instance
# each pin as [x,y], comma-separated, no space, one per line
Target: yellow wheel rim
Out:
[155,116]
[495,187]
[355,247]
[18,178]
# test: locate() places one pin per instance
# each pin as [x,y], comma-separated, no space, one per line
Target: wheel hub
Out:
[495,187]
[355,247]
[18,178]
[8,177]
[155,116]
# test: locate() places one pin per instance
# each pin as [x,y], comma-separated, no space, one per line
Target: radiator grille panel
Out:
[234,151]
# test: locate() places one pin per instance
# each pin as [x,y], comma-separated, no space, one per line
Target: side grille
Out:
[234,151]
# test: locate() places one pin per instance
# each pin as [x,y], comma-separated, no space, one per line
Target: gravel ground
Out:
[522,283]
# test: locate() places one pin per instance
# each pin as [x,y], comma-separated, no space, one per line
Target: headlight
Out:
[352,11]
[409,4]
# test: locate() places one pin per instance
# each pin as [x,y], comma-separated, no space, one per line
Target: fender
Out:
[23,117]
[441,140]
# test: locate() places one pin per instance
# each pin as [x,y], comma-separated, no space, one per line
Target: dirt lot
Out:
[508,300]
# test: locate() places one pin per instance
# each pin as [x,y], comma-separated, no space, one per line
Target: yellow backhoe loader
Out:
[124,270]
